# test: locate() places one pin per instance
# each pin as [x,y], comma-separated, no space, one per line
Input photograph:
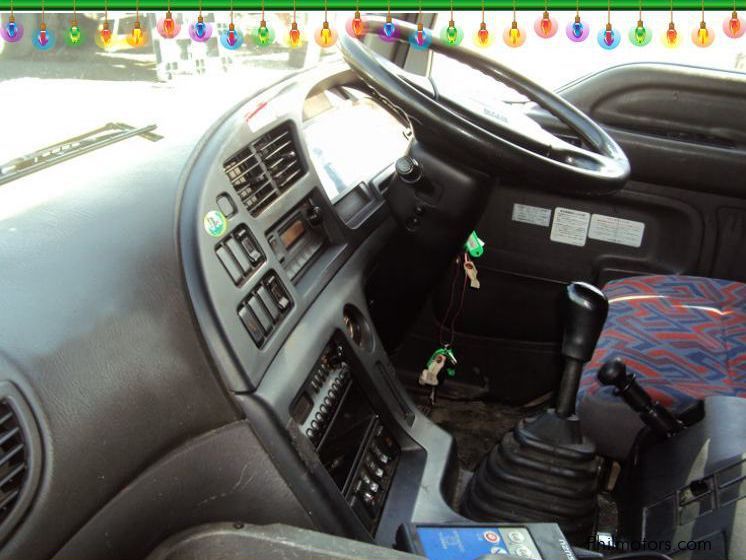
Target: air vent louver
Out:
[264,169]
[12,459]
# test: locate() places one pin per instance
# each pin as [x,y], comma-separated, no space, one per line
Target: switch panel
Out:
[239,254]
[262,311]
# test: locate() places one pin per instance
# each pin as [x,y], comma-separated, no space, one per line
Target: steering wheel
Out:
[546,159]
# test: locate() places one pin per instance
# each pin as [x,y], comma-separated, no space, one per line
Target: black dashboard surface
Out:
[128,371]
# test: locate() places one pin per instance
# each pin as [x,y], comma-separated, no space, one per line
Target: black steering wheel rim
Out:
[557,165]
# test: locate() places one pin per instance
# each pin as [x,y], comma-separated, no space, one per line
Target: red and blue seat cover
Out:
[683,336]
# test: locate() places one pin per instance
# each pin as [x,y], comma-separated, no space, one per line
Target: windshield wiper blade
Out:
[73,147]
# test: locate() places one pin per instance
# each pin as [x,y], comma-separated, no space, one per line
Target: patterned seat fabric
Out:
[683,336]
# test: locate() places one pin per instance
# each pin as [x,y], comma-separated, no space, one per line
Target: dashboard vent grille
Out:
[12,460]
[264,169]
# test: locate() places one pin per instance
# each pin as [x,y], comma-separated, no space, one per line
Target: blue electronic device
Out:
[533,541]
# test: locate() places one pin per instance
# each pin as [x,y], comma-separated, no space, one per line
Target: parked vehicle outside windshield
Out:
[178,84]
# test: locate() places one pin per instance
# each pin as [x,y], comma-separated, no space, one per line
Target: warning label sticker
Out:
[532,215]
[570,226]
[616,230]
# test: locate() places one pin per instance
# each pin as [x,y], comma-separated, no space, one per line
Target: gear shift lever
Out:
[545,468]
[586,312]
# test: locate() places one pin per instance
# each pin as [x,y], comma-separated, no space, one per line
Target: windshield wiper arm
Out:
[73,147]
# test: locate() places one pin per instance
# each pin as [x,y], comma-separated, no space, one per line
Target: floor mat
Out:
[478,425]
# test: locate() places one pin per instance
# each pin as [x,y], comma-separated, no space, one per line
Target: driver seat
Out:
[684,338]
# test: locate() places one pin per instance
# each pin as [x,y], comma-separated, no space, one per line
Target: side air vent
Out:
[20,455]
[264,169]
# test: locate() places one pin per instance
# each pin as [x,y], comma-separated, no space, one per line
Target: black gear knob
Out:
[585,314]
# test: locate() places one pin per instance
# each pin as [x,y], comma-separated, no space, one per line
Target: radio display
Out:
[292,234]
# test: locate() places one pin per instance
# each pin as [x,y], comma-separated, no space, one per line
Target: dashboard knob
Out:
[408,169]
[314,216]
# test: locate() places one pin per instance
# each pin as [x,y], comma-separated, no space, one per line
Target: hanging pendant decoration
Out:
[734,27]
[200,31]
[389,32]
[356,26]
[294,38]
[231,39]
[325,36]
[12,32]
[609,38]
[420,39]
[483,38]
[43,39]
[640,35]
[577,31]
[514,36]
[450,34]
[74,36]
[703,36]
[546,26]
[671,36]
[104,38]
[263,36]
[167,26]
[138,37]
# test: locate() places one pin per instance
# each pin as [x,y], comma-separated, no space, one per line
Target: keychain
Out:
[471,272]
[439,359]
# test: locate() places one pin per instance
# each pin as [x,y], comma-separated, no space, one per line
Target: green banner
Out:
[364,5]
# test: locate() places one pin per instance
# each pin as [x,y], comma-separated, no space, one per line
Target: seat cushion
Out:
[684,337]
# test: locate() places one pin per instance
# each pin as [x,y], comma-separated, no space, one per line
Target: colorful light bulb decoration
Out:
[200,31]
[231,39]
[420,39]
[703,36]
[44,39]
[577,31]
[482,38]
[389,32]
[104,37]
[74,36]
[640,35]
[12,31]
[514,36]
[609,37]
[356,26]
[167,26]
[326,36]
[294,39]
[546,26]
[452,35]
[263,36]
[137,38]
[734,27]
[671,37]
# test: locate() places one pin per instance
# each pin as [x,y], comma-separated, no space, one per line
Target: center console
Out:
[353,444]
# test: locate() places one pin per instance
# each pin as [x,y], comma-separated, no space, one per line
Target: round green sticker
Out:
[215,223]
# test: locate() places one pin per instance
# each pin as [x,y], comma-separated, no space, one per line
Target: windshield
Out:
[557,61]
[177,84]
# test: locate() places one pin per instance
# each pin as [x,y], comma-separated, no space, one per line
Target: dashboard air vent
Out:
[264,169]
[12,459]
[20,457]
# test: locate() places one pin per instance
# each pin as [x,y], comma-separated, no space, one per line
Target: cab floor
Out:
[477,425]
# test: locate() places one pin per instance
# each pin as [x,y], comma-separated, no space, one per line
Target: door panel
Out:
[684,131]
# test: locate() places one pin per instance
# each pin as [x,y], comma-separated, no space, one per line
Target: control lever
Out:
[585,314]
[656,416]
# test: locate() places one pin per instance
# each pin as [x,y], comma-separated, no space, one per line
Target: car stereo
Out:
[352,442]
[297,239]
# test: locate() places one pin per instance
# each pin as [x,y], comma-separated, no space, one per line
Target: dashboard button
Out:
[261,314]
[229,264]
[268,302]
[251,324]
[226,205]
[238,252]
